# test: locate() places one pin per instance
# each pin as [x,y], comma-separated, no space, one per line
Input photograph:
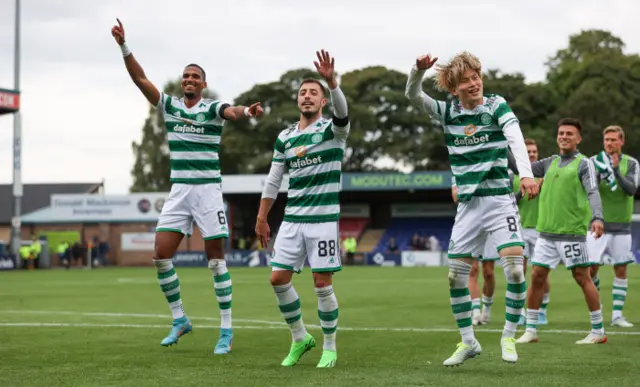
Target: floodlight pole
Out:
[17,148]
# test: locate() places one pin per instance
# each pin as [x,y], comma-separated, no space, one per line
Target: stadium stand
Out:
[352,227]
[369,240]
[404,229]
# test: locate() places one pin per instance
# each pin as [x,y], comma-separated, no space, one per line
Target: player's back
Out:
[314,159]
[193,135]
[477,146]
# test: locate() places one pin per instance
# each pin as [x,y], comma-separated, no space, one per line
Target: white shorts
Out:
[530,237]
[618,246]
[481,217]
[490,251]
[319,242]
[199,203]
[549,253]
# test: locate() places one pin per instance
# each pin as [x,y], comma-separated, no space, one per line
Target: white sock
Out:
[487,302]
[170,285]
[597,327]
[328,313]
[532,320]
[289,305]
[619,291]
[223,289]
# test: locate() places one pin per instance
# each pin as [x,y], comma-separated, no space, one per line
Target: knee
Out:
[489,275]
[458,274]
[513,270]
[474,271]
[278,280]
[581,277]
[321,280]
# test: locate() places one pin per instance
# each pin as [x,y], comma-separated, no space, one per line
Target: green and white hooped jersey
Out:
[313,157]
[193,135]
[477,145]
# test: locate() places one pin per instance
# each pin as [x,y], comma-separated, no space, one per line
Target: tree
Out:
[152,168]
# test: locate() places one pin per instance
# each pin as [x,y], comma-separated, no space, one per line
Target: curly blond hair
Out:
[448,75]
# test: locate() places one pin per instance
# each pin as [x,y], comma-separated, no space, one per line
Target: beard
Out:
[309,113]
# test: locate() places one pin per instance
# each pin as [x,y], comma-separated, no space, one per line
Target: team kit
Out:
[511,207]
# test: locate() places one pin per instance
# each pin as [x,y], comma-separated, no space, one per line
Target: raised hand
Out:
[118,33]
[324,65]
[425,62]
[255,110]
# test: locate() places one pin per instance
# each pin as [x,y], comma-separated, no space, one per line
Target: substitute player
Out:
[478,132]
[312,150]
[618,176]
[570,188]
[194,126]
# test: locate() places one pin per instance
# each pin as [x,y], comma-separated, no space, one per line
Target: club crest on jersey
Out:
[200,117]
[316,138]
[485,118]
[301,151]
[470,129]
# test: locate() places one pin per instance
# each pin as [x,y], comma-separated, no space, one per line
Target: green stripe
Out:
[324,199]
[480,137]
[286,267]
[170,286]
[208,115]
[224,305]
[517,288]
[462,307]
[477,157]
[514,318]
[274,160]
[500,247]
[223,292]
[597,326]
[312,218]
[279,146]
[326,269]
[206,129]
[619,297]
[293,319]
[508,122]
[328,331]
[222,277]
[495,173]
[191,146]
[186,180]
[314,180]
[457,293]
[485,192]
[624,289]
[195,165]
[515,304]
[287,308]
[328,316]
[167,274]
[464,322]
[468,119]
[501,110]
[173,297]
[306,139]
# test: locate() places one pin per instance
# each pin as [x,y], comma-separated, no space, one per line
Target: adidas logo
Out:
[514,236]
[331,260]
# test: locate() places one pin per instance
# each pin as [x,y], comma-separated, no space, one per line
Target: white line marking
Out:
[270,324]
[259,327]
[140,315]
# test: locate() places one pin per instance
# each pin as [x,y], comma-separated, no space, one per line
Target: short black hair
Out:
[204,75]
[570,122]
[312,80]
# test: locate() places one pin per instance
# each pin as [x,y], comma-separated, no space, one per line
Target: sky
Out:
[81,112]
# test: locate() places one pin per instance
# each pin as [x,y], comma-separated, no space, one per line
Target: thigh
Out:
[322,246]
[546,254]
[288,250]
[207,209]
[574,254]
[467,235]
[596,248]
[176,215]
[502,220]
[620,249]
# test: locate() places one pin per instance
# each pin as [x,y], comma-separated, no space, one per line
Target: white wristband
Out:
[125,50]
[246,111]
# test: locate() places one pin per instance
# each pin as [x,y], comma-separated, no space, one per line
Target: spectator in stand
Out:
[424,243]
[350,245]
[434,243]
[77,252]
[415,242]
[392,246]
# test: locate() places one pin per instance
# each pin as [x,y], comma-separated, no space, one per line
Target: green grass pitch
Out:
[104,327]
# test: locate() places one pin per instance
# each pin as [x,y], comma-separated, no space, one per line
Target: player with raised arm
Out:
[618,176]
[479,130]
[528,209]
[570,189]
[194,126]
[312,150]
